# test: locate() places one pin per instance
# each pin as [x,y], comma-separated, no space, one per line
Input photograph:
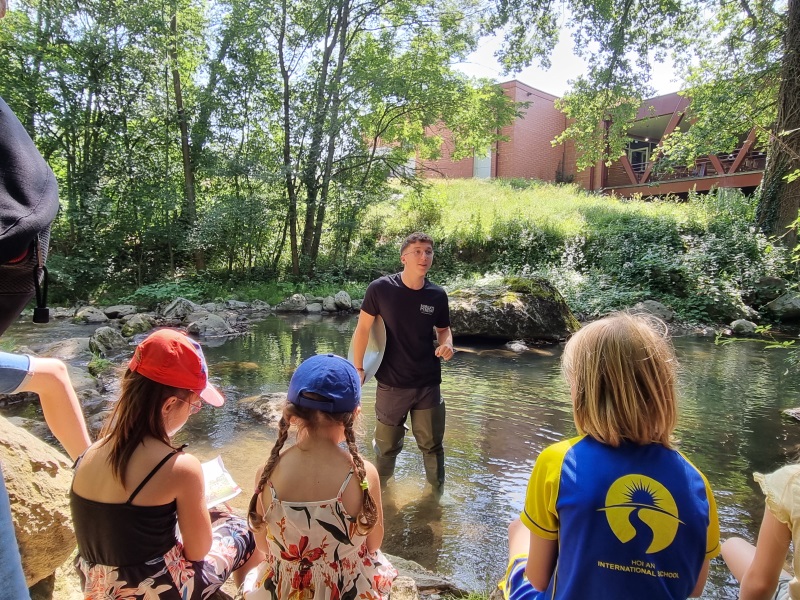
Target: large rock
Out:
[424,580]
[785,308]
[38,479]
[210,325]
[107,341]
[119,310]
[267,408]
[138,323]
[342,300]
[90,314]
[656,309]
[329,304]
[765,290]
[179,309]
[511,309]
[295,303]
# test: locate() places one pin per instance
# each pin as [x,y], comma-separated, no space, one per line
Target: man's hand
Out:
[445,351]
[362,374]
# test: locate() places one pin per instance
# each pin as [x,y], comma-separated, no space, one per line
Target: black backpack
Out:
[28,205]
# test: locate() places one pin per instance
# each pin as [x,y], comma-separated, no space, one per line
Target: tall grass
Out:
[699,256]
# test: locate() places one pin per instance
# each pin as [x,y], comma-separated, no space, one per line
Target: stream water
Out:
[502,409]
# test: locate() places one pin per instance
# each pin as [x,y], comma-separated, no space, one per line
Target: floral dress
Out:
[316,554]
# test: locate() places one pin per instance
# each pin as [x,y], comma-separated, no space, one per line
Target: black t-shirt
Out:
[409,316]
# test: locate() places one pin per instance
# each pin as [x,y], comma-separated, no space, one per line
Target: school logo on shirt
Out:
[647,501]
[425,309]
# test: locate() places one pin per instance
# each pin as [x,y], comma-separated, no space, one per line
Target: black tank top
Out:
[123,535]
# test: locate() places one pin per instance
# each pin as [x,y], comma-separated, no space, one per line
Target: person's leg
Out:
[387,443]
[514,584]
[391,409]
[427,425]
[738,555]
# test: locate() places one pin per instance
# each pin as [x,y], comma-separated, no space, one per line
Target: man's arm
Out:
[360,341]
[60,405]
[445,338]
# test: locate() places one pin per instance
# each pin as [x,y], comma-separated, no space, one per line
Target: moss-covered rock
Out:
[515,308]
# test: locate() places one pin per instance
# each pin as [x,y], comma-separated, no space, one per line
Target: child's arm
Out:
[194,520]
[62,411]
[760,580]
[375,537]
[542,557]
[701,580]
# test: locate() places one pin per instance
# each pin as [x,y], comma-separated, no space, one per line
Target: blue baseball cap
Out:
[331,377]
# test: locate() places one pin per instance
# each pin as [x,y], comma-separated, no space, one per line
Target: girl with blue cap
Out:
[316,512]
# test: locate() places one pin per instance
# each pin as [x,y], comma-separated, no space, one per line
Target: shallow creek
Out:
[502,409]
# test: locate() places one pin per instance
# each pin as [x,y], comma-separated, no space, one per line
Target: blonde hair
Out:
[309,418]
[621,371]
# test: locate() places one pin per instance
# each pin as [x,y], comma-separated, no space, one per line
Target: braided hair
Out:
[368,515]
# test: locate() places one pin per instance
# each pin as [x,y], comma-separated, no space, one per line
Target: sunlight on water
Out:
[502,409]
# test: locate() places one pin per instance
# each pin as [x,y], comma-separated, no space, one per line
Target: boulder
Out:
[179,309]
[511,309]
[68,349]
[743,327]
[90,314]
[195,316]
[60,312]
[107,341]
[260,306]
[210,325]
[296,303]
[656,309]
[342,300]
[765,290]
[314,308]
[236,305]
[356,305]
[424,580]
[138,323]
[38,478]
[785,308]
[267,408]
[329,304]
[119,310]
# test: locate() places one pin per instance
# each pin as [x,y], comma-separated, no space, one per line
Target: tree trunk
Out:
[188,172]
[780,200]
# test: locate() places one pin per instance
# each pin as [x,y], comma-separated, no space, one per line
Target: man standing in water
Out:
[410,374]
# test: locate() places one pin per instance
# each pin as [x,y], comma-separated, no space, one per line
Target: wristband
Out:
[360,369]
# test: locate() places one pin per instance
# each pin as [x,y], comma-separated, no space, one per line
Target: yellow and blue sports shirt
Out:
[631,522]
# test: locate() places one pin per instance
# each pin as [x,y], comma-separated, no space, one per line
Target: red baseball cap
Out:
[171,357]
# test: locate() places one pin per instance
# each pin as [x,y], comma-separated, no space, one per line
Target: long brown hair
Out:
[136,415]
[621,371]
[311,418]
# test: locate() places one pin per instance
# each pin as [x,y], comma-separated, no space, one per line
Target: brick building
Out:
[528,152]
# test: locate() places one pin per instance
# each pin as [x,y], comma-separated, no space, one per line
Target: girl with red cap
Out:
[132,487]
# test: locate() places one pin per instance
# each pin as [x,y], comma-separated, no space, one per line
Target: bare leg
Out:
[252,562]
[738,555]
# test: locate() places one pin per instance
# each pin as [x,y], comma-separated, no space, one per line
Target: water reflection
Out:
[502,410]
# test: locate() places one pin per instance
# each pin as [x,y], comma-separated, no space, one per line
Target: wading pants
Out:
[426,407]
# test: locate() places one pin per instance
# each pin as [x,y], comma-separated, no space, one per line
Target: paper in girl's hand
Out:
[220,486]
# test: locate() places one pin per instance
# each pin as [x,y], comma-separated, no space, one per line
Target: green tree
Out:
[356,87]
